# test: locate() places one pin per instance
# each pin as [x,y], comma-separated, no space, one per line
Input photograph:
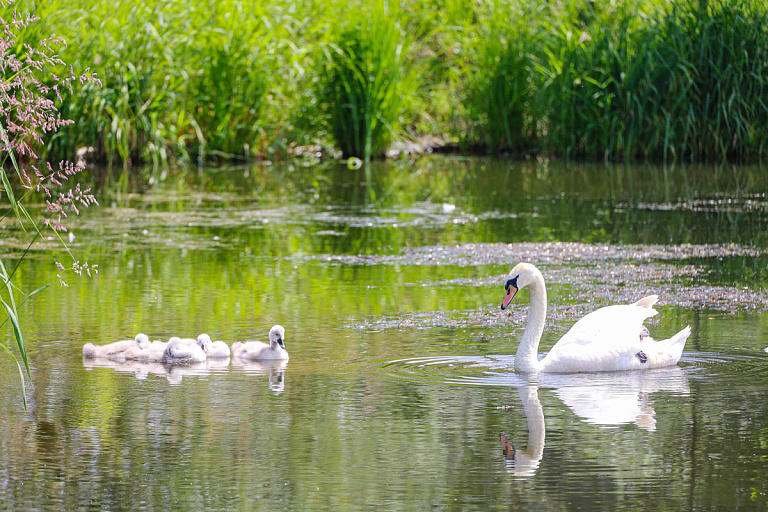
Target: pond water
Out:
[388,281]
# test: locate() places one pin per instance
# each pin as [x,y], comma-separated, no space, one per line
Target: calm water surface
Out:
[388,282]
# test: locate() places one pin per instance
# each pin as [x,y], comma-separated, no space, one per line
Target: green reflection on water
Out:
[234,251]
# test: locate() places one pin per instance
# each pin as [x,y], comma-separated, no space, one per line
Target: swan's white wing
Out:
[609,324]
[606,339]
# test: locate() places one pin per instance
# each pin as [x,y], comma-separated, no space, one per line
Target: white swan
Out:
[185,351]
[115,350]
[612,338]
[147,353]
[216,349]
[256,350]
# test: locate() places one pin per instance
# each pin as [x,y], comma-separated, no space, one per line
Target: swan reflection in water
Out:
[273,368]
[175,373]
[601,399]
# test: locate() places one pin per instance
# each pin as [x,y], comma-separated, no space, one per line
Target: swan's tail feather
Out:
[680,337]
[647,302]
[675,345]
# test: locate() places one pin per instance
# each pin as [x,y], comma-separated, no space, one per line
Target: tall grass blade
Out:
[21,375]
[10,307]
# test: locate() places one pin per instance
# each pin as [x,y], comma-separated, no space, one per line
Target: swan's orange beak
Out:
[511,291]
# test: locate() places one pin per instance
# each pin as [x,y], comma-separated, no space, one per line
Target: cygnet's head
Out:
[205,342]
[141,338]
[519,277]
[277,335]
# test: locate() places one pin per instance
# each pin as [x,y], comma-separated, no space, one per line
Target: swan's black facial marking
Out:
[642,357]
[511,288]
[644,333]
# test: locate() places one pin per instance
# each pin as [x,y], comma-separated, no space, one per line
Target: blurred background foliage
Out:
[188,82]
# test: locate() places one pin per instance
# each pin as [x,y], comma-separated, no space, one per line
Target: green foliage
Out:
[365,85]
[587,73]
[714,60]
[184,84]
[502,92]
[224,102]
[607,80]
[687,83]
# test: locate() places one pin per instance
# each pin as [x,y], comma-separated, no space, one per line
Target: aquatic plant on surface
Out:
[28,112]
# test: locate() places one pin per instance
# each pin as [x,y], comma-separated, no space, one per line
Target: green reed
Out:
[179,84]
[502,92]
[714,58]
[688,84]
[366,83]
[189,81]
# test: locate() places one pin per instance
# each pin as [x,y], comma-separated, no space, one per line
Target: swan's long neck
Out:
[526,359]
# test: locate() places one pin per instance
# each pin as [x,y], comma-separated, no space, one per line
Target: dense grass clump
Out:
[178,84]
[366,85]
[591,86]
[133,117]
[186,81]
[504,94]
[713,67]
[687,83]
[224,102]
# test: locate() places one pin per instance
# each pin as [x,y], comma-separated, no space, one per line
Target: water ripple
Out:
[498,370]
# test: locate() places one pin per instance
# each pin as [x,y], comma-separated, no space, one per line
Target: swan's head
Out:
[174,340]
[277,335]
[205,342]
[141,338]
[519,277]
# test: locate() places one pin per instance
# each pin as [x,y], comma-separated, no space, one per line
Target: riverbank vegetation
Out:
[233,80]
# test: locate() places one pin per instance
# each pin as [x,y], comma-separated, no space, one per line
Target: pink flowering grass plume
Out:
[78,269]
[30,88]
[28,113]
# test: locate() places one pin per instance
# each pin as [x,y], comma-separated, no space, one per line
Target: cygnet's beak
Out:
[280,342]
[511,291]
